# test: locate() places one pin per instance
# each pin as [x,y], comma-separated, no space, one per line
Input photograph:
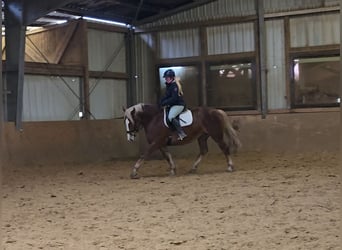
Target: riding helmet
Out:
[169,73]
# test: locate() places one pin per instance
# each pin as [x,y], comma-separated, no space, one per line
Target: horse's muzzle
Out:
[130,137]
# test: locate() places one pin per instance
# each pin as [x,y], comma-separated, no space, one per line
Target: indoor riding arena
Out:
[69,70]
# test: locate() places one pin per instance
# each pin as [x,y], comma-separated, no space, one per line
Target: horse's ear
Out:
[123,109]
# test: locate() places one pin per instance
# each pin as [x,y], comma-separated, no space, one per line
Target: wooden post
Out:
[85,63]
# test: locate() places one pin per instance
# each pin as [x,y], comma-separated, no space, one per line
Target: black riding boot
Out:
[177,126]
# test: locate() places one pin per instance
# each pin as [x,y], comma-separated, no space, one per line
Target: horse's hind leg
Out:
[169,159]
[202,143]
[226,151]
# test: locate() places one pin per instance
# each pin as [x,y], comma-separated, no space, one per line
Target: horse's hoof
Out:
[172,173]
[230,169]
[192,171]
[135,176]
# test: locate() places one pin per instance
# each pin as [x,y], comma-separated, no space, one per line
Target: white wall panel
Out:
[275,50]
[103,46]
[180,43]
[145,70]
[48,98]
[315,30]
[231,38]
[107,98]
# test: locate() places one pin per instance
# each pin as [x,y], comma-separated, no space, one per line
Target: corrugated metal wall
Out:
[236,8]
[215,10]
[106,50]
[145,70]
[275,54]
[48,98]
[231,38]
[179,43]
[107,98]
[273,6]
[315,30]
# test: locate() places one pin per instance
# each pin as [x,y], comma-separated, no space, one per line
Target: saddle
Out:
[185,118]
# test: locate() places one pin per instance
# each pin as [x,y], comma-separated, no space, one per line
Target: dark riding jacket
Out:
[172,96]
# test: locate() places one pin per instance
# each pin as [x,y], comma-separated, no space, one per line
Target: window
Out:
[231,86]
[188,76]
[315,81]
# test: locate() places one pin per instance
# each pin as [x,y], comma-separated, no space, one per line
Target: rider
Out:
[173,99]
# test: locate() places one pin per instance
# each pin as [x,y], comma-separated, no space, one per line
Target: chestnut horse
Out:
[207,122]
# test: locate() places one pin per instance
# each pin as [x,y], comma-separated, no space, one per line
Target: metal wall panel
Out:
[179,43]
[273,6]
[145,71]
[332,2]
[237,8]
[215,10]
[231,38]
[48,98]
[275,54]
[107,98]
[315,30]
[107,51]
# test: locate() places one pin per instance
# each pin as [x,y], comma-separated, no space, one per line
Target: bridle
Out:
[131,132]
[131,122]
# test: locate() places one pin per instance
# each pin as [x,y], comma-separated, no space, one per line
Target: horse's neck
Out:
[150,111]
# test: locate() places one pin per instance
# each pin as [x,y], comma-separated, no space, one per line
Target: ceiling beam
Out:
[35,9]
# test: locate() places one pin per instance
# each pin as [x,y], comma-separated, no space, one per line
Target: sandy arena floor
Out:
[273,201]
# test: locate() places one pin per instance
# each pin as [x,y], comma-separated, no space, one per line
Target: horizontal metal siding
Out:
[315,30]
[273,6]
[232,38]
[215,10]
[48,98]
[238,8]
[107,51]
[275,51]
[107,98]
[180,43]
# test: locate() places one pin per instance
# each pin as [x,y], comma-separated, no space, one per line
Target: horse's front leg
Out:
[169,159]
[203,145]
[134,174]
[137,165]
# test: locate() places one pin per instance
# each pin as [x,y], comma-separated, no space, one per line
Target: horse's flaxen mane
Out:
[138,108]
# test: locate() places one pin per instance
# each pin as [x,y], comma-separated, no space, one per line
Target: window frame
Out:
[303,55]
[254,80]
[186,64]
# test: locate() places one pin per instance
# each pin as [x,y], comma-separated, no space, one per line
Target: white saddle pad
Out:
[185,118]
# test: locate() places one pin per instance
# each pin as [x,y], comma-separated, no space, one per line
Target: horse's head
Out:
[131,120]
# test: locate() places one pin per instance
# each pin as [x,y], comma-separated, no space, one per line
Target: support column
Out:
[85,93]
[131,68]
[262,56]
[203,69]
[15,52]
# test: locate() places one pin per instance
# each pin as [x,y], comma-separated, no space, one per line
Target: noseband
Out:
[132,131]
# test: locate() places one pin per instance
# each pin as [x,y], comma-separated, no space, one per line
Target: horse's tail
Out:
[231,132]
